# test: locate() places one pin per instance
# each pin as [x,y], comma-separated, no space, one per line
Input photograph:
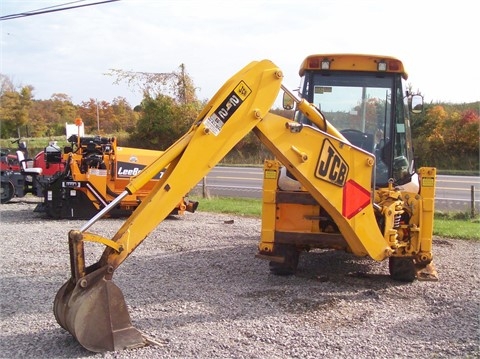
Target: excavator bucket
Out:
[92,308]
[95,313]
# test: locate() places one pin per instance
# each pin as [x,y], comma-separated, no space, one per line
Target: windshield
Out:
[359,105]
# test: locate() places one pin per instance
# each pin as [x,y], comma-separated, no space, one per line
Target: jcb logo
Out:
[331,166]
[242,90]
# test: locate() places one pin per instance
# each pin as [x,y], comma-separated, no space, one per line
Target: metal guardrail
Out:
[471,205]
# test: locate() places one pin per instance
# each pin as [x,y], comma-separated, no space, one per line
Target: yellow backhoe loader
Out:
[328,187]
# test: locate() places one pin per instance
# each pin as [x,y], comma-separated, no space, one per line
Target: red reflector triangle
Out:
[355,198]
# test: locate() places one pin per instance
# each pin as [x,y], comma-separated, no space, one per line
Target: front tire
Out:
[402,269]
[291,257]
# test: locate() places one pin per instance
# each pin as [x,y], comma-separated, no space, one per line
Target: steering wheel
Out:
[351,130]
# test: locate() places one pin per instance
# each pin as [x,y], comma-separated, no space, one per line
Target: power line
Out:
[50,9]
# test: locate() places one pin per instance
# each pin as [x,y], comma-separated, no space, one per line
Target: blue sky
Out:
[70,51]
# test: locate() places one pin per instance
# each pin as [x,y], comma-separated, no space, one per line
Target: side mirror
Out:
[417,104]
[287,102]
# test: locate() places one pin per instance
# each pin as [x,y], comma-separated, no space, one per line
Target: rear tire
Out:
[290,264]
[7,191]
[402,269]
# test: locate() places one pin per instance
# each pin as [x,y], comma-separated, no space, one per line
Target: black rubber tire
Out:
[402,269]
[7,191]
[289,266]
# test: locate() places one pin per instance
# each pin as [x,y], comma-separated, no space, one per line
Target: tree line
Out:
[445,135]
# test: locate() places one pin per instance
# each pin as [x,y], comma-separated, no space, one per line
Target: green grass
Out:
[240,206]
[34,145]
[454,228]
[456,225]
[449,225]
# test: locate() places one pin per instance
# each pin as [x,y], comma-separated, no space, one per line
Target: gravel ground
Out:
[195,287]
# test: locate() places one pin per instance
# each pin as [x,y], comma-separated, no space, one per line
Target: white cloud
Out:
[69,51]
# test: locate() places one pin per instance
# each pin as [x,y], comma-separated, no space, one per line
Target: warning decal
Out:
[428,182]
[227,108]
[355,199]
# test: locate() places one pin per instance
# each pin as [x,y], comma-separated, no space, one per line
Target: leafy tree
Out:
[6,85]
[163,120]
[177,84]
[62,111]
[14,110]
[97,117]
[125,118]
[446,136]
[43,119]
[461,135]
[470,127]
[168,109]
[105,118]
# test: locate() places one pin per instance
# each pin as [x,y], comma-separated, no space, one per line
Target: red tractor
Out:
[9,161]
[21,175]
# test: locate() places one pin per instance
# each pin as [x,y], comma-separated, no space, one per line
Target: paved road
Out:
[453,193]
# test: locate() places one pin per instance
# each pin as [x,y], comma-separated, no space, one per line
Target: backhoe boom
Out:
[90,297]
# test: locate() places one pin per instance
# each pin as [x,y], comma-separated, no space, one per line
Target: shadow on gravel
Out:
[16,215]
[49,343]
[196,287]
[172,290]
[451,323]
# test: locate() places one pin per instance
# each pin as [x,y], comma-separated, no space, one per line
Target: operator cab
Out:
[364,98]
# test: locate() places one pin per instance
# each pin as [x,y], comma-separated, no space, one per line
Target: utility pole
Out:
[98,119]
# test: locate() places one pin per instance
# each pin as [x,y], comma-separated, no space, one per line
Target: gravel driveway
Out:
[195,287]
